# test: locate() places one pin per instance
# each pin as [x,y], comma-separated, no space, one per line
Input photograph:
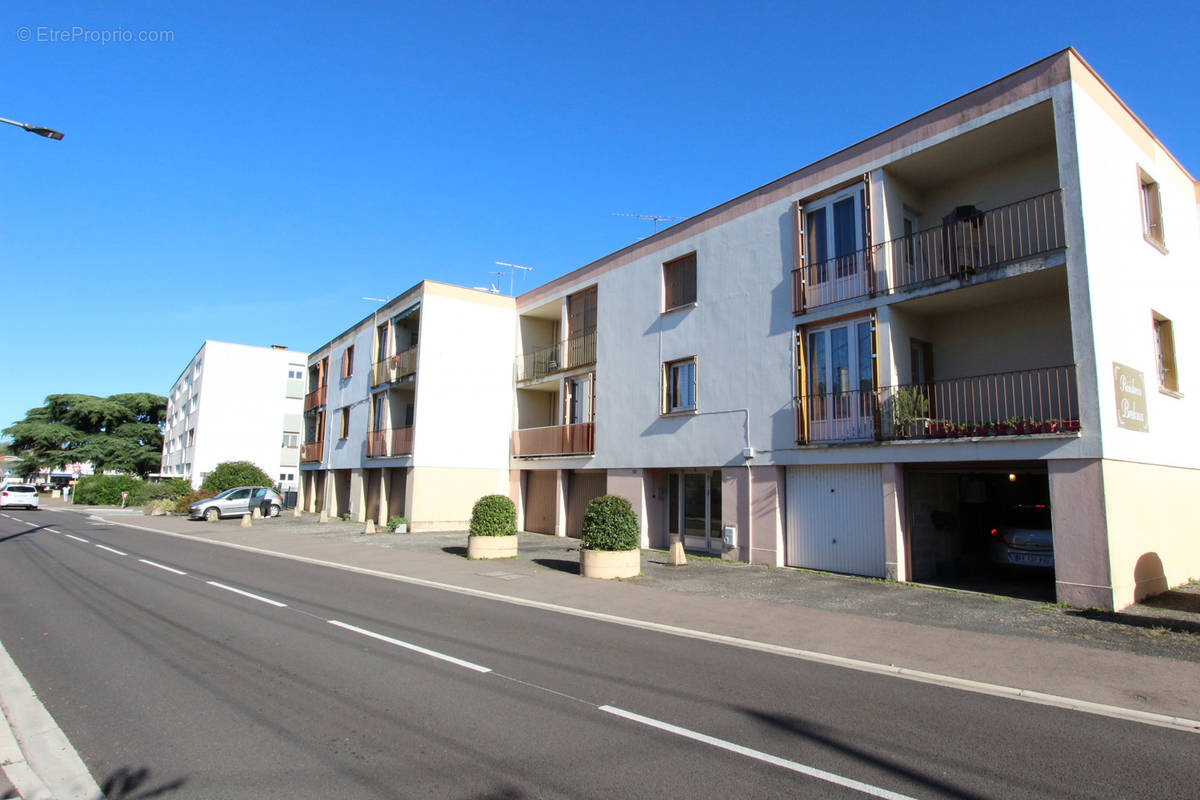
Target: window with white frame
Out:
[680,381]
[291,438]
[1152,221]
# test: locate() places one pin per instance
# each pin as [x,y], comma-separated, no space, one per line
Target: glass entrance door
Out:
[694,508]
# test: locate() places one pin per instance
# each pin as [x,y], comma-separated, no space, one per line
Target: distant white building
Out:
[236,402]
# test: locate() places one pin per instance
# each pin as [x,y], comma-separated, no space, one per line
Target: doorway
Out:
[694,508]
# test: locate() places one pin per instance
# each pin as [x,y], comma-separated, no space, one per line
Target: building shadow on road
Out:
[128,783]
[456,550]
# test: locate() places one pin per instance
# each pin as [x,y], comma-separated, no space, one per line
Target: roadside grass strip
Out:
[758,755]
[413,647]
[244,593]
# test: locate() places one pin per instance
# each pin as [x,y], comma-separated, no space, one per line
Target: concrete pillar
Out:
[382,515]
[897,555]
[735,510]
[1082,569]
[358,496]
[631,484]
[560,502]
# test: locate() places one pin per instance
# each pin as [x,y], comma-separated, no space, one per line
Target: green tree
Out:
[122,432]
[229,474]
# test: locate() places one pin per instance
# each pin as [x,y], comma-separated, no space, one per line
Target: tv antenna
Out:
[378,299]
[656,218]
[512,270]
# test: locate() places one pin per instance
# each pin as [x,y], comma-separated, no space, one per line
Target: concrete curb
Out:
[38,757]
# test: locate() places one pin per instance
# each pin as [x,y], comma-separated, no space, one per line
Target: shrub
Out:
[493,515]
[181,504]
[610,524]
[231,474]
[163,506]
[396,522]
[105,490]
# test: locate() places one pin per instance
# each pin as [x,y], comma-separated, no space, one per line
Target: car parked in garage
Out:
[20,494]
[1023,538]
[238,502]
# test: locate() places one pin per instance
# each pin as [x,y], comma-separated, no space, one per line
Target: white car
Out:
[19,494]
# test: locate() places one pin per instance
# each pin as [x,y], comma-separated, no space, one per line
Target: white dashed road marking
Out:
[259,598]
[413,647]
[162,566]
[112,550]
[76,538]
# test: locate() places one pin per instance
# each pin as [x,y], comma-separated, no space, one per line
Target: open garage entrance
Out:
[981,527]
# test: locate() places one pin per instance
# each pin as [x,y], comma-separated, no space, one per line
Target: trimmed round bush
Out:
[493,515]
[232,474]
[610,524]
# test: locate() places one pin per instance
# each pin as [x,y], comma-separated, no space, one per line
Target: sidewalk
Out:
[1146,659]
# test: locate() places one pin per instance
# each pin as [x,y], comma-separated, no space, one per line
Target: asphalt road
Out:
[185,670]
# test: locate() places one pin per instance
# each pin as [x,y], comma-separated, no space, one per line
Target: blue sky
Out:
[253,177]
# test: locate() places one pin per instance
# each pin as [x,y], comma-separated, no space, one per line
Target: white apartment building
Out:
[866,366]
[236,402]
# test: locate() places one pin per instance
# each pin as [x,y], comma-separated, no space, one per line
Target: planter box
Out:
[609,564]
[491,546]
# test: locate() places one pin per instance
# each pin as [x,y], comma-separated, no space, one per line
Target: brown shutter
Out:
[798,257]
[868,237]
[875,411]
[801,409]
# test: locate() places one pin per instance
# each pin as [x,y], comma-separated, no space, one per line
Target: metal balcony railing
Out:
[974,241]
[575,351]
[311,451]
[1018,403]
[389,443]
[315,398]
[555,440]
[395,367]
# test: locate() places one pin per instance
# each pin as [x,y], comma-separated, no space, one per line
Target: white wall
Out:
[1128,278]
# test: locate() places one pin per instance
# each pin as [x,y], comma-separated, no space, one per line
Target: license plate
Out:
[1025,559]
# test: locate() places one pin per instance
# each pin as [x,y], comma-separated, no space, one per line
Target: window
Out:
[680,392]
[581,312]
[381,342]
[345,432]
[291,439]
[287,477]
[191,437]
[1152,223]
[348,362]
[679,282]
[1164,353]
[378,406]
[295,374]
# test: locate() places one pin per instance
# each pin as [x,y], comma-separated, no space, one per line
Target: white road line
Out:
[163,566]
[413,647]
[112,550]
[76,538]
[794,766]
[259,598]
[51,530]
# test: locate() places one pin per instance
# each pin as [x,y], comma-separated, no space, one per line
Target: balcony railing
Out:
[974,241]
[1020,403]
[315,398]
[555,440]
[311,451]
[389,443]
[579,351]
[395,367]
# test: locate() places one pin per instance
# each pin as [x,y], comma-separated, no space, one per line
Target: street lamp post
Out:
[49,133]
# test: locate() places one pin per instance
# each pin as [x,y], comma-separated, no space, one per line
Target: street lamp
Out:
[49,133]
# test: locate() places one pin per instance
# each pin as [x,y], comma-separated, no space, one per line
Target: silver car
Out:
[238,502]
[1024,538]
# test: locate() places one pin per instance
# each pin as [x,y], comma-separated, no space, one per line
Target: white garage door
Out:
[835,519]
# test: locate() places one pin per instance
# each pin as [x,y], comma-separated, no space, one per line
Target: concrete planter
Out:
[609,564]
[491,546]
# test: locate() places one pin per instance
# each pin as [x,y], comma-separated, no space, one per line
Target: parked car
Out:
[19,494]
[238,502]
[1023,538]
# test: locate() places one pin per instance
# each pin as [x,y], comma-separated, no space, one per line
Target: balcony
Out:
[579,351]
[390,443]
[311,451]
[390,370]
[1021,403]
[972,242]
[555,440]
[315,398]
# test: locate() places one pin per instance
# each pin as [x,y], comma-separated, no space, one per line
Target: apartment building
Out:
[236,402]
[874,364]
[408,412]
[969,323]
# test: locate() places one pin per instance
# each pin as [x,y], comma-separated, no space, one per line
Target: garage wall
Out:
[835,519]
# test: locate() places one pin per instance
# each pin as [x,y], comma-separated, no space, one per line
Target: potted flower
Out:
[493,532]
[398,525]
[610,540]
[910,413]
